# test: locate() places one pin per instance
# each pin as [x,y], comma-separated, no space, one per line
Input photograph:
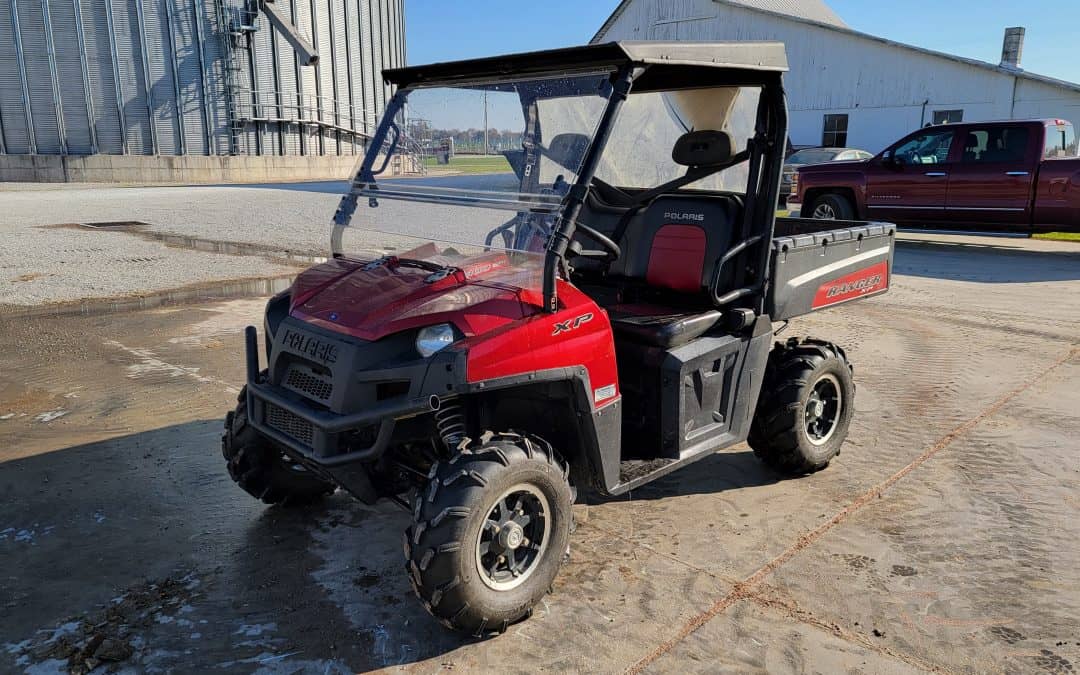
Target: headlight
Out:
[434,338]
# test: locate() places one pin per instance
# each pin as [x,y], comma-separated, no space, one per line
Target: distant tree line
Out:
[466,141]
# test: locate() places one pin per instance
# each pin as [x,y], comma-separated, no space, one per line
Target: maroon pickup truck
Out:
[1018,176]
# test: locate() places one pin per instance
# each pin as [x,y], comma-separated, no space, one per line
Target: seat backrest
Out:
[971,148]
[675,242]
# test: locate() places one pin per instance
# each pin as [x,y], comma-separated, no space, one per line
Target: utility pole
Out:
[487,147]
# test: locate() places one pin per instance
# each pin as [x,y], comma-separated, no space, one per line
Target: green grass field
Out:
[472,164]
[1058,236]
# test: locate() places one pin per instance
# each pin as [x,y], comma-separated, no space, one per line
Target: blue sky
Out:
[444,30]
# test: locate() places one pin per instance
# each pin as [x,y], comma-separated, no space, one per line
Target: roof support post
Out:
[555,257]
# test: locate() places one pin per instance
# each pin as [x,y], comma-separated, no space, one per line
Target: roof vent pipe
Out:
[1012,49]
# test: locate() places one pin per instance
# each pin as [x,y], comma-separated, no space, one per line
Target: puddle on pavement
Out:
[142,230]
[187,295]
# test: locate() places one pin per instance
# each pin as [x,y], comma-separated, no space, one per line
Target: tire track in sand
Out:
[746,588]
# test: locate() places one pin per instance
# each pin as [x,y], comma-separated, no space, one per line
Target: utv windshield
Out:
[471,178]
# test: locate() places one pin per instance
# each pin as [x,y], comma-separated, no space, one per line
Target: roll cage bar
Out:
[750,252]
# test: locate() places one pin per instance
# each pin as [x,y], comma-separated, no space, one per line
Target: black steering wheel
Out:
[611,249]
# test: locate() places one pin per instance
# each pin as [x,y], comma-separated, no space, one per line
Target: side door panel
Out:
[909,182]
[991,183]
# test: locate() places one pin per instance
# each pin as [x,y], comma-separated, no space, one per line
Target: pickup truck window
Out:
[995,144]
[929,147]
[1060,142]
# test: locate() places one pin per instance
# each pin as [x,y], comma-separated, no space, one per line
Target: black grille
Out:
[308,384]
[288,423]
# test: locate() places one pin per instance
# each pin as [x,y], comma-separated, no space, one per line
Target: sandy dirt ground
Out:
[943,539]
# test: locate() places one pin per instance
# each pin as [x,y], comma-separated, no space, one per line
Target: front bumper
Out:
[311,433]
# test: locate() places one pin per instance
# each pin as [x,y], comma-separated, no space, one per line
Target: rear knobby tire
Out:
[795,429]
[260,467]
[445,549]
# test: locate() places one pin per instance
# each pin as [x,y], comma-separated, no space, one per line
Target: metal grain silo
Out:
[194,77]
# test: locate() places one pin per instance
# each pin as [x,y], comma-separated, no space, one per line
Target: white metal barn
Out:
[848,88]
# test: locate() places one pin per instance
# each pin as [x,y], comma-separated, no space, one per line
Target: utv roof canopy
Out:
[666,65]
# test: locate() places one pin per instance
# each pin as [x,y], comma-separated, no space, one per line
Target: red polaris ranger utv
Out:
[595,312]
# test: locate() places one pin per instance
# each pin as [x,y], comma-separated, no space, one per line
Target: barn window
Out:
[948,116]
[835,133]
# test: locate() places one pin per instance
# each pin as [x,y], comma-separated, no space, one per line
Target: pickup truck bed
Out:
[1057,196]
[815,264]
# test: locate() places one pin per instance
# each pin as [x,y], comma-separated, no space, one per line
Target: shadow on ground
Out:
[985,263]
[730,470]
[144,542]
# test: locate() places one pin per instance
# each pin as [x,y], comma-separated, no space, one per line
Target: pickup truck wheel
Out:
[260,467]
[489,533]
[832,207]
[805,407]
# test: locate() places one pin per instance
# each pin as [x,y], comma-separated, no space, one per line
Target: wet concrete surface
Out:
[943,539]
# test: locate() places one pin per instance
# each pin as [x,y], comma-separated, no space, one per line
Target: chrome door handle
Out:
[1016,173]
[936,174]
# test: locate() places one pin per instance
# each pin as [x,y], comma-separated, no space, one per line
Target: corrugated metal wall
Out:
[886,89]
[104,85]
[155,76]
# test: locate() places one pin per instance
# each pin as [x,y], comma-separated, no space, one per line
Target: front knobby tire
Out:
[490,529]
[805,407]
[260,467]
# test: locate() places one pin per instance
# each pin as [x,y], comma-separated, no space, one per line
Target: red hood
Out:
[342,296]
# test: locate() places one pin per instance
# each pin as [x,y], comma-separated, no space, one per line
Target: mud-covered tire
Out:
[258,466]
[784,432]
[449,516]
[832,206]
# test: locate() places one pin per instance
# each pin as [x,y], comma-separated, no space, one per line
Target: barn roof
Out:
[817,13]
[811,10]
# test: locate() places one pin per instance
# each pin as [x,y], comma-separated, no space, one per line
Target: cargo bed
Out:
[818,263]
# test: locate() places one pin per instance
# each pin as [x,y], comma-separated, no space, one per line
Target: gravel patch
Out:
[43,264]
